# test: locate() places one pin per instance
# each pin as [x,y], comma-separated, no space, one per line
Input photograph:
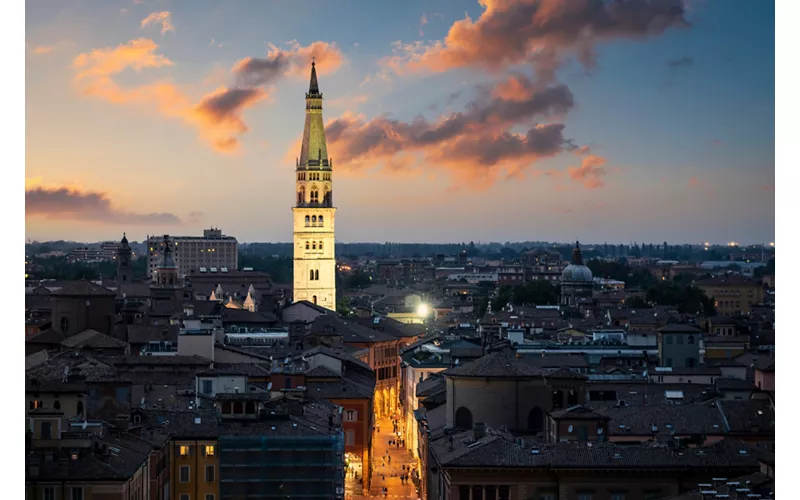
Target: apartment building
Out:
[211,252]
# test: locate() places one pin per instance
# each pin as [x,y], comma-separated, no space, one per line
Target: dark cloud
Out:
[682,62]
[222,111]
[509,32]
[71,204]
[253,71]
[473,141]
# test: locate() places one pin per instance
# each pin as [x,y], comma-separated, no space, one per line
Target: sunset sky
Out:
[447,120]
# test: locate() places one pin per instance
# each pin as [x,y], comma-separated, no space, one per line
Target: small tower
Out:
[167,285]
[124,271]
[314,238]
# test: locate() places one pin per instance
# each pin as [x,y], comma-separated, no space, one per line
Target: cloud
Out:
[591,171]
[218,115]
[71,204]
[473,145]
[694,182]
[294,61]
[164,18]
[510,32]
[682,62]
[423,20]
[42,49]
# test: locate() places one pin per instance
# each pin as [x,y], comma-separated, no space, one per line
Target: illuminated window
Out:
[184,452]
[210,450]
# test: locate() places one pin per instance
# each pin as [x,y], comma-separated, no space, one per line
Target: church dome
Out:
[577,271]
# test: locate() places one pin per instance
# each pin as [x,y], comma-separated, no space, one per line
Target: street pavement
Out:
[385,473]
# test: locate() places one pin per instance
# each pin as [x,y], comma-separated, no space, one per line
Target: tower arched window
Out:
[300,197]
[320,245]
[320,220]
[313,220]
[306,245]
[314,246]
[316,275]
[311,275]
[308,221]
[80,408]
[314,196]
[56,405]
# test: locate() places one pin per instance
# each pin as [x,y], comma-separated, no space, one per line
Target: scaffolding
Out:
[282,466]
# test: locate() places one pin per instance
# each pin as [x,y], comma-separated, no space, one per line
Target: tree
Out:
[762,271]
[343,306]
[358,280]
[533,292]
[683,295]
[637,303]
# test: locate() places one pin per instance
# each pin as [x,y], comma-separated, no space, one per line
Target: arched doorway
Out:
[314,298]
[536,420]
[463,418]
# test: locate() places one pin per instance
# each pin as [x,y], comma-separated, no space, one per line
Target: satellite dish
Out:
[599,431]
[570,429]
[269,386]
[456,362]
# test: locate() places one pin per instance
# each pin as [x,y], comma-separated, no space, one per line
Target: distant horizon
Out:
[476,242]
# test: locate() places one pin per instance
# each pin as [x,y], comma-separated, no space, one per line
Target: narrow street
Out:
[387,468]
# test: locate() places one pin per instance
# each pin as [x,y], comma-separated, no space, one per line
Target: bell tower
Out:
[124,272]
[314,240]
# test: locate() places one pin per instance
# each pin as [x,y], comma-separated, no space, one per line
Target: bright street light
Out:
[423,310]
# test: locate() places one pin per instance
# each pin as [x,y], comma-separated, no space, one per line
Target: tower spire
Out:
[313,87]
[313,152]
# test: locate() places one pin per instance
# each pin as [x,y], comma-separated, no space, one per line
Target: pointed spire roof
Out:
[313,87]
[168,262]
[314,151]
[124,241]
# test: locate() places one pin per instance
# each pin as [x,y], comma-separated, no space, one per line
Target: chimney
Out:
[479,430]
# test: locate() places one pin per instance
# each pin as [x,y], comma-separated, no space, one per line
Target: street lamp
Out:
[423,310]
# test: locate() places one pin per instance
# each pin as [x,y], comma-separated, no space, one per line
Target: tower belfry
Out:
[314,258]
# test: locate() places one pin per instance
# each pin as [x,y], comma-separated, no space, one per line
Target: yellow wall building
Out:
[195,469]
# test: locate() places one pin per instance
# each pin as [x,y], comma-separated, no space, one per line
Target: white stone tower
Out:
[314,258]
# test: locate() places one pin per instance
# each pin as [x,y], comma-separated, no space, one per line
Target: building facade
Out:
[194,253]
[313,214]
[733,294]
